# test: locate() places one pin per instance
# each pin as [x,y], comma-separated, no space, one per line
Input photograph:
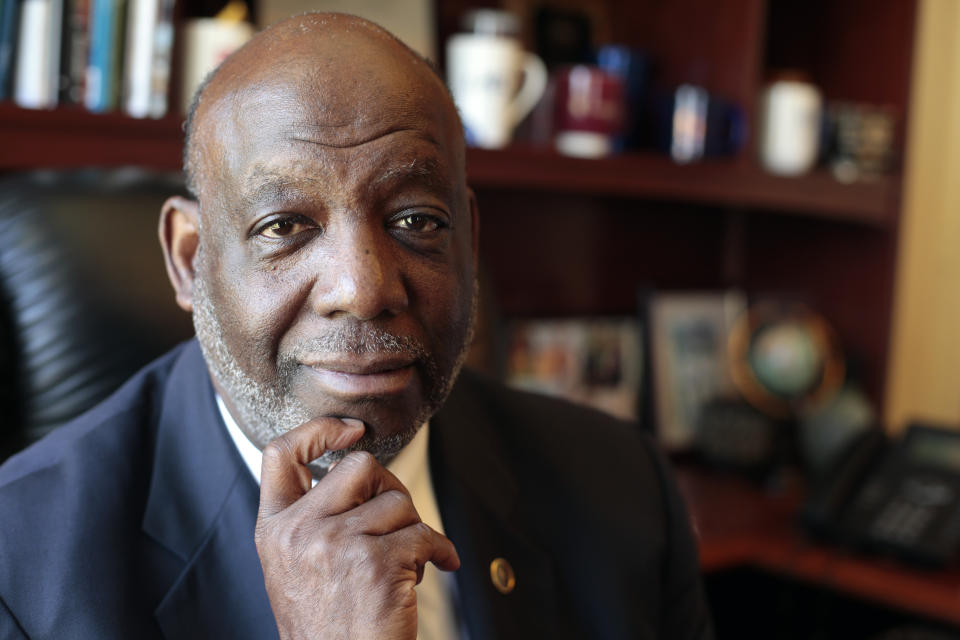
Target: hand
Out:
[341,560]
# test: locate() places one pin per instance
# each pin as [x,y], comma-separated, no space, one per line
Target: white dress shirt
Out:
[436,593]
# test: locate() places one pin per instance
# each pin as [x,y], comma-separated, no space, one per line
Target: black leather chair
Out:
[84,299]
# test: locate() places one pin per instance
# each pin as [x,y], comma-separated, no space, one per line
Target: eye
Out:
[286,227]
[419,222]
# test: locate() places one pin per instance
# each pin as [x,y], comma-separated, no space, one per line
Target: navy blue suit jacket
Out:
[137,520]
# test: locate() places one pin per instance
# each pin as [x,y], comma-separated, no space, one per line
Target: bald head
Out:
[350,71]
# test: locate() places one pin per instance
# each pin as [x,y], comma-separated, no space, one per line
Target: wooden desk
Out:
[740,526]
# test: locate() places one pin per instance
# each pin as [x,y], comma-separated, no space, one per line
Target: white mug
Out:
[206,43]
[790,112]
[483,72]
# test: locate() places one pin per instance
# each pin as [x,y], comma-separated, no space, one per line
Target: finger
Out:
[385,513]
[355,480]
[284,476]
[418,544]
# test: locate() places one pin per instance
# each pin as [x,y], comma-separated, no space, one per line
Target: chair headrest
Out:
[84,298]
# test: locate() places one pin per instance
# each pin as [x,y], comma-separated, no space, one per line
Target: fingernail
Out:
[353,422]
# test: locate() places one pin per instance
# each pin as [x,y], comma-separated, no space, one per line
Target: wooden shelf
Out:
[72,137]
[716,182]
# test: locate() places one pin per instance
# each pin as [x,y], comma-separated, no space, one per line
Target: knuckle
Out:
[398,497]
[358,461]
[285,537]
[277,451]
[363,558]
[318,549]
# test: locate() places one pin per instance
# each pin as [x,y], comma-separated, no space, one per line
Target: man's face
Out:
[335,269]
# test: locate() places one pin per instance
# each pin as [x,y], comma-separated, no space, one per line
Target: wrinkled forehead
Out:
[340,91]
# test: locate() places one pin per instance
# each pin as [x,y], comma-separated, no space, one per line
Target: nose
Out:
[361,277]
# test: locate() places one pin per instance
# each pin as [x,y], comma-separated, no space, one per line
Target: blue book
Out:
[106,45]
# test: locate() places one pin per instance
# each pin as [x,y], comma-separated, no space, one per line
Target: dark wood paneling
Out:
[552,254]
[717,45]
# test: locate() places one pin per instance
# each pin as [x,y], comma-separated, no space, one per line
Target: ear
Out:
[474,226]
[179,237]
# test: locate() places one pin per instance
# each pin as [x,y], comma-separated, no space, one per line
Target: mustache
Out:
[360,339]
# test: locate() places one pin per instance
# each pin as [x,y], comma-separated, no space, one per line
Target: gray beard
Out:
[267,411]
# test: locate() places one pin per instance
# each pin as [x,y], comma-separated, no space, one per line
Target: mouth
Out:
[362,376]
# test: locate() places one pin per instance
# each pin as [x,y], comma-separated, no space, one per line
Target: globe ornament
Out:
[785,359]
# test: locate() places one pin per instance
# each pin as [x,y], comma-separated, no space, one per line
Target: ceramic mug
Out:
[589,111]
[483,72]
[790,112]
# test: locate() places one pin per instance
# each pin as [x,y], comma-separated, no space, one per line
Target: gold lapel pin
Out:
[502,576]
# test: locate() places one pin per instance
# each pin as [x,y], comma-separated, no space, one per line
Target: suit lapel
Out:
[478,498]
[202,508]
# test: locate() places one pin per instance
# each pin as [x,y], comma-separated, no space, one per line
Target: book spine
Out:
[141,23]
[118,36]
[105,55]
[54,41]
[162,61]
[97,74]
[9,29]
[32,87]
[76,43]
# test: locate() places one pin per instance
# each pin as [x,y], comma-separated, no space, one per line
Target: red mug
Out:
[589,111]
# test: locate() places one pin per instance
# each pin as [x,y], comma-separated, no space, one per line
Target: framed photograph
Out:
[592,361]
[689,362]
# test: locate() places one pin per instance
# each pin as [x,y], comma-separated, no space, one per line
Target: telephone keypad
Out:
[907,516]
[901,521]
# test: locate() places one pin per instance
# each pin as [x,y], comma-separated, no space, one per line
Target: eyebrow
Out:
[427,172]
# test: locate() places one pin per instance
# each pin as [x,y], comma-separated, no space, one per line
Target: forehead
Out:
[305,169]
[333,105]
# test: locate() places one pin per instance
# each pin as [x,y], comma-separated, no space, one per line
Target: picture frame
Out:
[597,362]
[687,333]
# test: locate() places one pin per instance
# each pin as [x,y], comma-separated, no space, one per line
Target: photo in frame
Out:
[689,362]
[596,362]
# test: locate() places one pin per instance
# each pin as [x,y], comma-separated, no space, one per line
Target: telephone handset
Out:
[899,497]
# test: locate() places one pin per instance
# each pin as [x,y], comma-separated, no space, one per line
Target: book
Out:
[148,58]
[162,61]
[74,51]
[37,78]
[105,54]
[9,29]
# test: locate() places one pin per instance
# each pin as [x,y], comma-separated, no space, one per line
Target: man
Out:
[329,262]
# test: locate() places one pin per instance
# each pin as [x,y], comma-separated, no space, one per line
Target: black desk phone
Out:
[899,497]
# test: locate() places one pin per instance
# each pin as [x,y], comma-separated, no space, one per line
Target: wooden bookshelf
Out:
[72,137]
[720,182]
